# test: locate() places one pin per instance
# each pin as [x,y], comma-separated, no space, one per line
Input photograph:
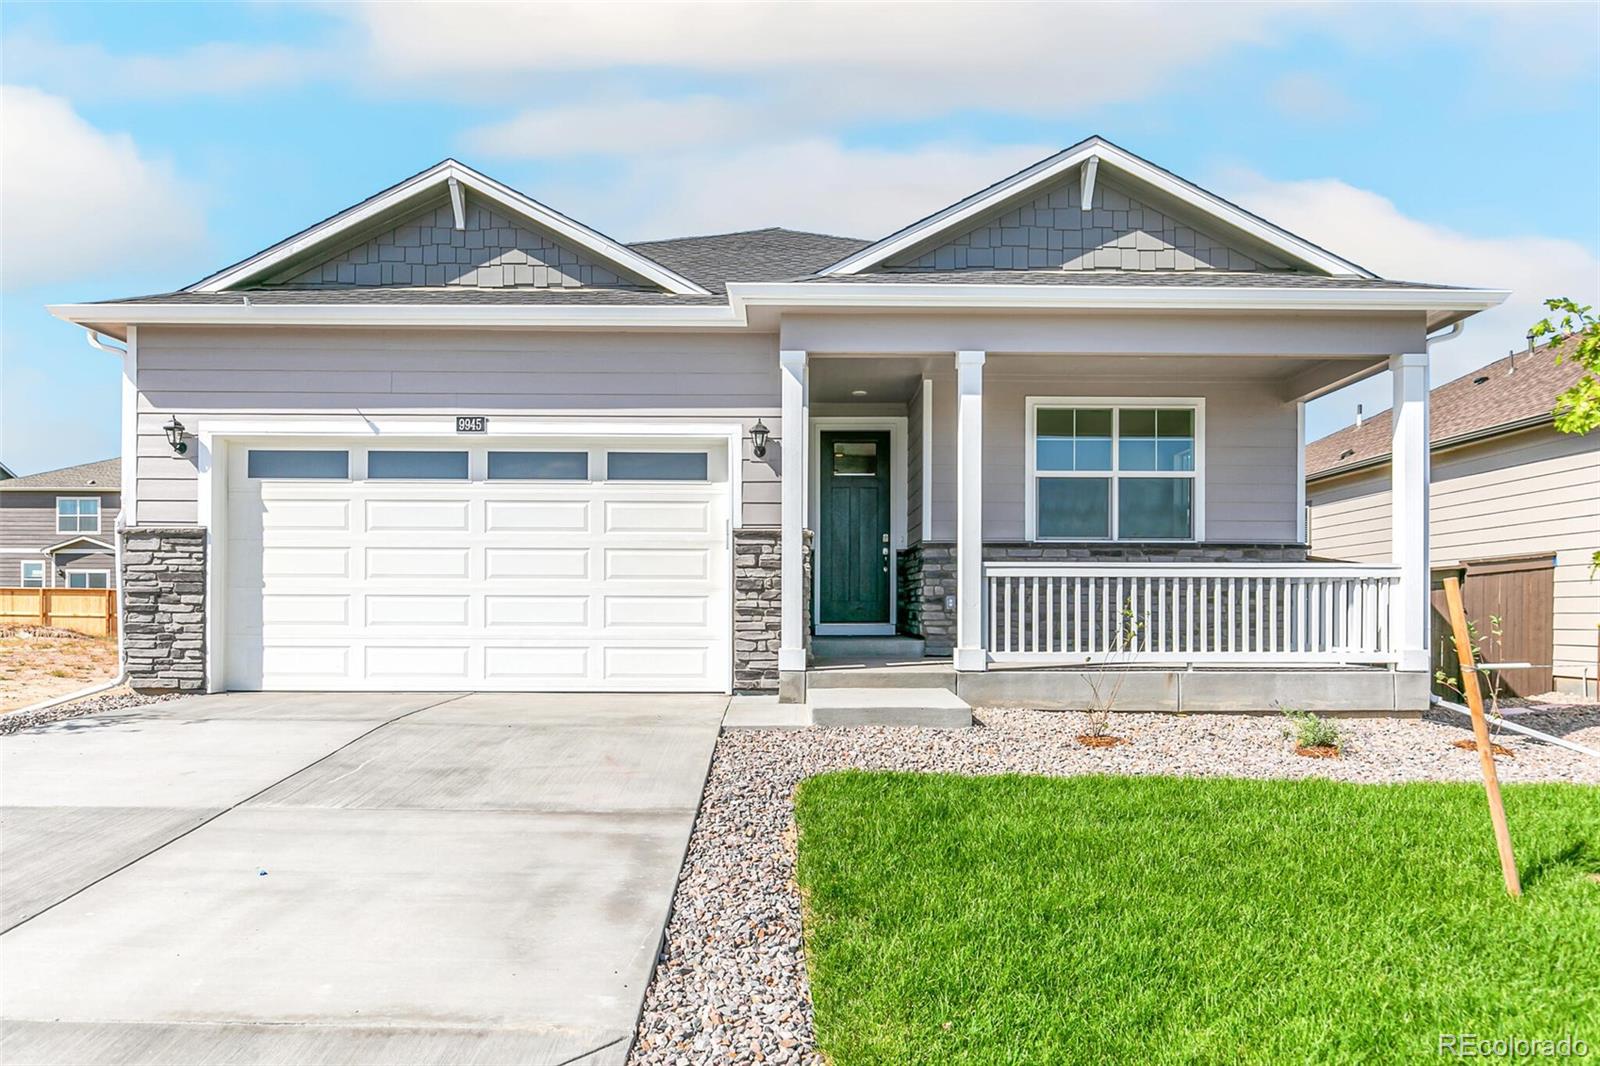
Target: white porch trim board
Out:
[1409,518]
[791,643]
[970,652]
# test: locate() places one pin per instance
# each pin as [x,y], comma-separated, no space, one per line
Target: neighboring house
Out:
[58,528]
[452,439]
[5,473]
[1514,509]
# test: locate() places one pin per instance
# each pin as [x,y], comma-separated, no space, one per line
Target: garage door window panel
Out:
[297,464]
[657,466]
[416,466]
[538,466]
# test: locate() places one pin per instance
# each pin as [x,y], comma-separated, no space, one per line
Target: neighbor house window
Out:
[1114,470]
[88,579]
[77,514]
[33,575]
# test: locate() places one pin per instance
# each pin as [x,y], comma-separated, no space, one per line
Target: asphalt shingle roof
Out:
[106,474]
[1197,279]
[417,294]
[772,254]
[1508,392]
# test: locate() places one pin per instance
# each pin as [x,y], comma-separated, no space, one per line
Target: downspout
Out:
[93,337]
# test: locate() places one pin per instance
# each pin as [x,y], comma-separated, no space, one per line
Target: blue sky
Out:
[145,145]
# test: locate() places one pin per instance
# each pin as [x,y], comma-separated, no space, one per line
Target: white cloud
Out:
[85,70]
[813,184]
[1370,229]
[613,127]
[78,201]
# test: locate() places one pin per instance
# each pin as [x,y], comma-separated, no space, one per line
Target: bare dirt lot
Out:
[39,662]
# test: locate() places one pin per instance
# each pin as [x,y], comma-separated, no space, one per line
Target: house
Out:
[450,438]
[58,528]
[1514,511]
[5,473]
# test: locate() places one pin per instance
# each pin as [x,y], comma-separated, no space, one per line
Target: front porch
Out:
[1020,554]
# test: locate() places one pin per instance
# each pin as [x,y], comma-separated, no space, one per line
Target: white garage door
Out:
[569,566]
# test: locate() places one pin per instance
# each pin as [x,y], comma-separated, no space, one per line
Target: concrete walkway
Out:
[305,878]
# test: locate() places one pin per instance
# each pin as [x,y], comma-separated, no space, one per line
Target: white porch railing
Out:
[1248,614]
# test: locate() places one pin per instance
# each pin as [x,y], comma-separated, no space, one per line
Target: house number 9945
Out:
[472,424]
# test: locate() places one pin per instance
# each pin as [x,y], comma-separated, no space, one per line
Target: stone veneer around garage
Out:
[163,608]
[928,573]
[757,607]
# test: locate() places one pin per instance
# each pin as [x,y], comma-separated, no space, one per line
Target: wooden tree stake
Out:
[1480,730]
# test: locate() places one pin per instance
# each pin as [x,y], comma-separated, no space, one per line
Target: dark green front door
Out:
[853,552]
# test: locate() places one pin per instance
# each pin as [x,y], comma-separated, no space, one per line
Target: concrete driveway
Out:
[378,877]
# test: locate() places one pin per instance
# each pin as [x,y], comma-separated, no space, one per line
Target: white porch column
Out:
[970,653]
[791,646]
[1409,507]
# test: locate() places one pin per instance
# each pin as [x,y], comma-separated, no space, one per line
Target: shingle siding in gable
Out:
[492,252]
[1054,233]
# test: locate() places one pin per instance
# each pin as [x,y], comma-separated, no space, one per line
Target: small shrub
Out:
[1097,723]
[1309,731]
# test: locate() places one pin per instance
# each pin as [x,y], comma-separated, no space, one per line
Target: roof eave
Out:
[1472,437]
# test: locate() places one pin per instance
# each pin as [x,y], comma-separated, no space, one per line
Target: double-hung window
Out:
[77,514]
[1115,469]
[32,574]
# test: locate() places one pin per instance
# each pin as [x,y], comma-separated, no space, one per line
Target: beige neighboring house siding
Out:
[28,525]
[1525,493]
[210,373]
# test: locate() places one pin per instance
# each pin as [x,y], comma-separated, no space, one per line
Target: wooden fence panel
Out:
[1520,591]
[92,612]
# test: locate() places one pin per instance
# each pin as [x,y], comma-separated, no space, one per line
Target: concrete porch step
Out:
[880,674]
[929,707]
[834,649]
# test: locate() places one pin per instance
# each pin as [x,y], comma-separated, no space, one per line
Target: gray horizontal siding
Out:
[197,373]
[28,521]
[1524,494]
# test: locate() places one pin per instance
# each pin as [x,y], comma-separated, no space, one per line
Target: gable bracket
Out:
[1086,182]
[458,203]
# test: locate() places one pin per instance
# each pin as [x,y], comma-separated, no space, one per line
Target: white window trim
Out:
[99,510]
[70,574]
[44,573]
[1034,403]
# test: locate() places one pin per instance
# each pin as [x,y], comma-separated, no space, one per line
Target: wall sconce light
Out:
[758,438]
[174,431]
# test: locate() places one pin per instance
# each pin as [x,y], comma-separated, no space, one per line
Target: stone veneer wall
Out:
[163,608]
[757,607]
[928,573]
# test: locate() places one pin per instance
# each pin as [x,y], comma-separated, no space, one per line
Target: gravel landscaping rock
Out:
[730,984]
[112,700]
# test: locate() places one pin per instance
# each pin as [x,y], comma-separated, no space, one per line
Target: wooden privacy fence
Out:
[92,612]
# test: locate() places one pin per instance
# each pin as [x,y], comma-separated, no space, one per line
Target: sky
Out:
[142,146]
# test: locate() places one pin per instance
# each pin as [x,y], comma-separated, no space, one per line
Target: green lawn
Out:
[1108,919]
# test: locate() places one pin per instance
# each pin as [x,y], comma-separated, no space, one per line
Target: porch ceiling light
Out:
[858,392]
[758,439]
[174,431]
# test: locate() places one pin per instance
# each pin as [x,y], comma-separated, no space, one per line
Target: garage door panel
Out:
[449,516]
[519,516]
[411,564]
[635,663]
[551,663]
[411,610]
[674,612]
[683,564]
[306,563]
[657,517]
[536,612]
[513,563]
[448,586]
